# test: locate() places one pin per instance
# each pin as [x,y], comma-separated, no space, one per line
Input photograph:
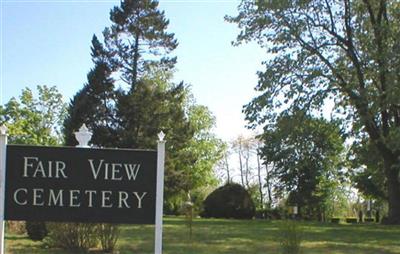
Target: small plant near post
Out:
[188,207]
[290,237]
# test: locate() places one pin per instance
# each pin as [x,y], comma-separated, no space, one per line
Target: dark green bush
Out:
[335,220]
[351,220]
[36,231]
[229,201]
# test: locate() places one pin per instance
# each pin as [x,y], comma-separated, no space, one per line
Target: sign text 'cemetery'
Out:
[86,185]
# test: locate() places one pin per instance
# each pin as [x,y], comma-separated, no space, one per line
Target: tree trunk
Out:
[393,184]
[260,182]
[135,63]
[267,182]
[241,166]
[247,157]
[226,162]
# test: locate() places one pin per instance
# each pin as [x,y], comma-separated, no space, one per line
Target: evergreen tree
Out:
[136,48]
[150,109]
[138,40]
[94,104]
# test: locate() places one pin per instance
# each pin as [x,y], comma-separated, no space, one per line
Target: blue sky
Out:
[48,43]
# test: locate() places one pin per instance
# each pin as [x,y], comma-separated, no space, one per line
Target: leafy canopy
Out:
[33,120]
[344,52]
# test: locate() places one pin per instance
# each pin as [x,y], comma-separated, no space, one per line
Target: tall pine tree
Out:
[136,50]
[94,104]
[138,40]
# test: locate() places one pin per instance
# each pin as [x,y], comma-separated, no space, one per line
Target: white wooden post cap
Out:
[161,136]
[83,136]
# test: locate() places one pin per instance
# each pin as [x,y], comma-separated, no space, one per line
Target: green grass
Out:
[215,236]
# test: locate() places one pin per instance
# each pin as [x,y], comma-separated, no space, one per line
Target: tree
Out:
[204,150]
[35,121]
[137,38]
[155,105]
[94,104]
[223,168]
[367,177]
[346,51]
[306,155]
[244,147]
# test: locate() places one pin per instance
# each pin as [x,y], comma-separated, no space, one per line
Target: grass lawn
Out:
[215,236]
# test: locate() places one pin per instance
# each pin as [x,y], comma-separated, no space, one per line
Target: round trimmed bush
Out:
[229,201]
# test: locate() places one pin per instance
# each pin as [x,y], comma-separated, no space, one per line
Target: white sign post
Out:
[159,193]
[3,150]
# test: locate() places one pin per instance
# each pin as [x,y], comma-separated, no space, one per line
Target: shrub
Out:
[229,201]
[108,235]
[335,220]
[290,237]
[72,236]
[276,213]
[16,227]
[369,220]
[36,231]
[351,220]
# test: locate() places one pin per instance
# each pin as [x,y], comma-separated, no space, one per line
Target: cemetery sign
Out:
[80,184]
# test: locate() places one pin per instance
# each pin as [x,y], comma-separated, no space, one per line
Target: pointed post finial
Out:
[83,136]
[161,136]
[3,130]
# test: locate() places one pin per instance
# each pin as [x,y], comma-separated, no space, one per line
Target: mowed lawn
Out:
[215,236]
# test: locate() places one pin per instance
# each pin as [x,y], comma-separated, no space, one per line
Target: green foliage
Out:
[203,150]
[229,201]
[368,177]
[35,121]
[135,50]
[36,231]
[291,237]
[72,236]
[94,104]
[138,39]
[345,52]
[150,109]
[306,153]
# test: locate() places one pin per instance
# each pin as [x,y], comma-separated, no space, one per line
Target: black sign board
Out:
[80,184]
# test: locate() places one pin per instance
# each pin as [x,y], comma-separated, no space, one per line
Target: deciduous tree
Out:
[306,153]
[35,121]
[344,51]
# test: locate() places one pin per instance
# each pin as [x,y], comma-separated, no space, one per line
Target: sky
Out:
[47,42]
